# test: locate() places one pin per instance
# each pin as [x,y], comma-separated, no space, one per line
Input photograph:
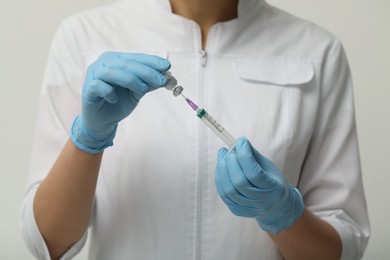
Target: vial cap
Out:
[172,82]
[177,90]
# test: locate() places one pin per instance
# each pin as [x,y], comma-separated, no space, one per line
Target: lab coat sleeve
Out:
[32,236]
[331,181]
[59,104]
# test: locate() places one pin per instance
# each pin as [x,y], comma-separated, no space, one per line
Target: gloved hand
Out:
[113,86]
[252,186]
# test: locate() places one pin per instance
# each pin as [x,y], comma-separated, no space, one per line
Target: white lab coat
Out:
[280,81]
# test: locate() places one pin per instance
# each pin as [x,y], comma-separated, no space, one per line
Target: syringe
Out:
[206,118]
[211,123]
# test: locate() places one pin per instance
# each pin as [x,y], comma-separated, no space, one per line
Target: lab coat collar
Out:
[244,6]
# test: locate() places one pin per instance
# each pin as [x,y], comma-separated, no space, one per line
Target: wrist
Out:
[88,140]
[289,214]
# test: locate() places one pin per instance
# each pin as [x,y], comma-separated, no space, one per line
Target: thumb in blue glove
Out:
[113,86]
[252,186]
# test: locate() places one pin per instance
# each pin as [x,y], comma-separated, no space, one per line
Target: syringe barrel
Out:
[217,128]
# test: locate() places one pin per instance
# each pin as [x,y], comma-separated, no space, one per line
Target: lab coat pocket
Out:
[269,87]
[276,71]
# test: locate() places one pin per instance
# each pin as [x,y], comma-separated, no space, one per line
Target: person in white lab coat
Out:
[162,190]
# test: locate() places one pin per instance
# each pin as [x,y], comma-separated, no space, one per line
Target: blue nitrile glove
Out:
[252,186]
[113,86]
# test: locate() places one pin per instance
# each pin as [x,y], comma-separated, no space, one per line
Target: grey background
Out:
[26,30]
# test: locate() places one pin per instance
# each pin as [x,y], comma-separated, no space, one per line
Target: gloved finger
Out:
[100,89]
[243,211]
[235,208]
[220,171]
[118,77]
[145,73]
[135,96]
[268,166]
[238,178]
[251,167]
[223,173]
[239,206]
[155,62]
